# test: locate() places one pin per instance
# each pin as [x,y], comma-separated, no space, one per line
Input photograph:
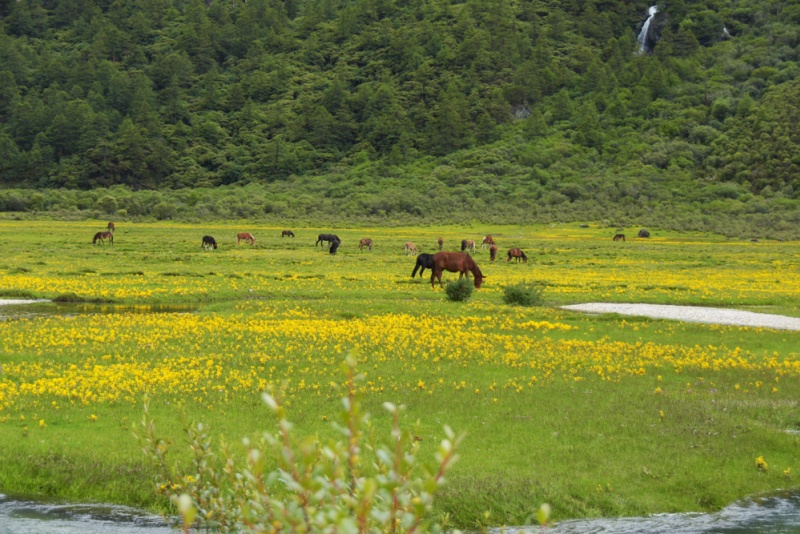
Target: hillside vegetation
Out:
[507,110]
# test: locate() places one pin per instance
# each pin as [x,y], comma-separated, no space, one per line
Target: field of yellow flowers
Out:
[597,415]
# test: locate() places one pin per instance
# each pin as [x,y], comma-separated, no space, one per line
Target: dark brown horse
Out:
[287,233]
[366,242]
[487,240]
[330,238]
[441,242]
[619,237]
[516,253]
[492,252]
[455,262]
[111,227]
[247,237]
[102,236]
[209,242]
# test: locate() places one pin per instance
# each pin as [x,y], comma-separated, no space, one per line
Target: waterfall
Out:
[646,28]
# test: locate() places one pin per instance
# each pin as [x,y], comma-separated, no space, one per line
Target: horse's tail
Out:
[416,267]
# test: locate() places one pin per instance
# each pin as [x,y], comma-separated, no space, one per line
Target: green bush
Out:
[523,294]
[285,484]
[459,291]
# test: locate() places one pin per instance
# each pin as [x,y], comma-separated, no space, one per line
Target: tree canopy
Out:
[535,100]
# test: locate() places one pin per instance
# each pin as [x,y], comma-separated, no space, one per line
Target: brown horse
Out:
[102,236]
[619,237]
[366,242]
[441,242]
[287,233]
[467,244]
[492,252]
[111,227]
[410,248]
[247,237]
[455,262]
[516,253]
[487,240]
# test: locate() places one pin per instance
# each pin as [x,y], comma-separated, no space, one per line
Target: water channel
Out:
[19,308]
[32,517]
[776,514]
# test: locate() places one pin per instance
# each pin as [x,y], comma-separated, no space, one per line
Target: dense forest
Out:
[496,110]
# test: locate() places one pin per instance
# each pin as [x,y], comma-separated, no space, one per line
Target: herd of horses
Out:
[460,262]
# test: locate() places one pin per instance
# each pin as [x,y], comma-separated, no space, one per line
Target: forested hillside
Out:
[517,109]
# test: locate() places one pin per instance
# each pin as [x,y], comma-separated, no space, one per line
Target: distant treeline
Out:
[717,210]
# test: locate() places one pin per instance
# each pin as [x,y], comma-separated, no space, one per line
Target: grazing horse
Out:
[410,248]
[492,252]
[366,242]
[516,253]
[441,242]
[619,237]
[287,233]
[330,238]
[335,246]
[209,242]
[424,261]
[487,240]
[102,236]
[455,262]
[247,237]
[467,244]
[111,227]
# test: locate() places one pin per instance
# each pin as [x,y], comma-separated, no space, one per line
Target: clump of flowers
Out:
[290,485]
[761,464]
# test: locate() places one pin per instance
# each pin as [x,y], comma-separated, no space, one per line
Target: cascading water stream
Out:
[645,29]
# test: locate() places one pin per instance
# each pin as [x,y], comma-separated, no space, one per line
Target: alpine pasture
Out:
[595,415]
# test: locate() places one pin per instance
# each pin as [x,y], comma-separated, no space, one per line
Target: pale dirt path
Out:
[695,314]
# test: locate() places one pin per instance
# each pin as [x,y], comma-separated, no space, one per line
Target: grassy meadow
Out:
[596,415]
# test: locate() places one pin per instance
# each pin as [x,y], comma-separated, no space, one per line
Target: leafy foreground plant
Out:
[306,487]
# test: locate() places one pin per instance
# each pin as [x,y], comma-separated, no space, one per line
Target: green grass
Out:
[287,310]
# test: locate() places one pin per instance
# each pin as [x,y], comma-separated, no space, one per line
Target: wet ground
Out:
[32,517]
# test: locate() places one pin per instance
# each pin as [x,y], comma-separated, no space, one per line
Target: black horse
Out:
[287,233]
[209,242]
[330,238]
[424,261]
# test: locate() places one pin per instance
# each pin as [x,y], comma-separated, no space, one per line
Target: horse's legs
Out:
[436,273]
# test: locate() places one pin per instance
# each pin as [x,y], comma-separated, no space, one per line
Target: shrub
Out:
[523,294]
[107,204]
[286,484]
[164,210]
[459,291]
